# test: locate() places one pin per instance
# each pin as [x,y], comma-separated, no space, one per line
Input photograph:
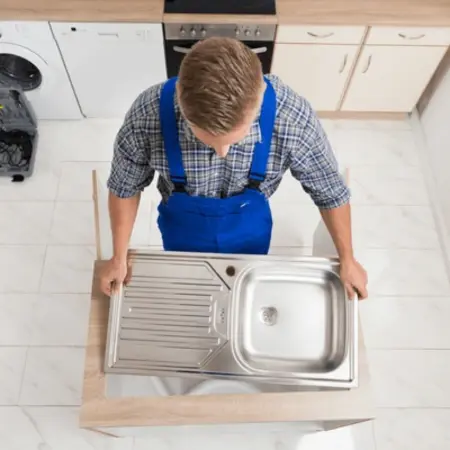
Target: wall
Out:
[435,122]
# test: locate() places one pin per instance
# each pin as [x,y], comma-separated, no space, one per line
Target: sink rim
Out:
[225,365]
[235,328]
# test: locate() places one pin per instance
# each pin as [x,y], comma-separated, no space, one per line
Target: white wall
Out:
[436,126]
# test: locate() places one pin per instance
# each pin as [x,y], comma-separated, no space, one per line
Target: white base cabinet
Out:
[317,72]
[391,78]
[359,69]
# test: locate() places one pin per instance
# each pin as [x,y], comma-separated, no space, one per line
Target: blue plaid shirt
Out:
[299,144]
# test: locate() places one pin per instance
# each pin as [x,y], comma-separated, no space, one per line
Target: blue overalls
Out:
[238,224]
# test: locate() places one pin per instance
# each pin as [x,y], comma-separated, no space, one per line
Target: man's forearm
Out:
[122,213]
[338,222]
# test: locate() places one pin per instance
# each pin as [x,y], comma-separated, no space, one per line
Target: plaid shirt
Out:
[299,144]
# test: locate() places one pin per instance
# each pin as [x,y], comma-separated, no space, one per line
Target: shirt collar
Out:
[252,137]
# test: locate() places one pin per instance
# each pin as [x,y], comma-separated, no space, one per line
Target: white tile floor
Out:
[46,256]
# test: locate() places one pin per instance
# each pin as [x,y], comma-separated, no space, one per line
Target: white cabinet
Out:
[408,36]
[110,64]
[307,34]
[317,72]
[391,78]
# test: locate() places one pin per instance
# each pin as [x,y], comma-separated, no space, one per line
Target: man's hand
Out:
[354,278]
[113,273]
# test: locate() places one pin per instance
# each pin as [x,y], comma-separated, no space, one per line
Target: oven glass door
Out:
[176,50]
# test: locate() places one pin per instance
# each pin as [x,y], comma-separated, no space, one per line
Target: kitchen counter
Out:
[109,415]
[364,12]
[332,12]
[138,11]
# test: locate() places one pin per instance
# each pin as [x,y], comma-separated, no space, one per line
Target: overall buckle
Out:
[253,184]
[179,184]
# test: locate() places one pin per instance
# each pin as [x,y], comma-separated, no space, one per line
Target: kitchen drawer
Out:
[408,36]
[299,34]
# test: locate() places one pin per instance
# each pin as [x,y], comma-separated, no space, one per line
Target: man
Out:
[221,137]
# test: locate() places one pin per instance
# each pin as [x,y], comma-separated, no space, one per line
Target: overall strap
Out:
[170,134]
[262,149]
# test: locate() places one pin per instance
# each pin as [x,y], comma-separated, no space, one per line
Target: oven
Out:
[179,38]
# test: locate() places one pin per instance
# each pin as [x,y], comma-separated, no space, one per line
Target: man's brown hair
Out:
[219,84]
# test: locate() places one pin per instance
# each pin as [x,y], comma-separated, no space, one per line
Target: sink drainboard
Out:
[271,319]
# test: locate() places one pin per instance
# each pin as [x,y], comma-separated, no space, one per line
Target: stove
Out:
[179,38]
[265,7]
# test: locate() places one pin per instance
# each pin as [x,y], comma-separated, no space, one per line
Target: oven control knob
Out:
[193,32]
[237,32]
[247,32]
[202,32]
[258,32]
[182,32]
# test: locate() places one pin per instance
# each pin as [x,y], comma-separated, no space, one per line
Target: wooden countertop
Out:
[99,411]
[311,12]
[138,11]
[364,12]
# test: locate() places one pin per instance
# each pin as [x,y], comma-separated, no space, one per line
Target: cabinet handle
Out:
[320,36]
[344,64]
[369,61]
[411,38]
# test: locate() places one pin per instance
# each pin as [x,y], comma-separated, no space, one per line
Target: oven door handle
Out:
[179,49]
[185,51]
[259,50]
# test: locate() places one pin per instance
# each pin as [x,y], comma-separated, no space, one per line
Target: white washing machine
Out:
[110,64]
[30,59]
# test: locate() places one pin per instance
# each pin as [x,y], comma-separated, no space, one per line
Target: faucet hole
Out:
[231,271]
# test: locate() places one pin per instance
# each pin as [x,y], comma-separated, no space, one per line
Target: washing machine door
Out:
[22,68]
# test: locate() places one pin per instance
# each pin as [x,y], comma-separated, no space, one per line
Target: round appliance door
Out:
[22,68]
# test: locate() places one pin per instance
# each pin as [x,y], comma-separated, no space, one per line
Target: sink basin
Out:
[289,319]
[272,319]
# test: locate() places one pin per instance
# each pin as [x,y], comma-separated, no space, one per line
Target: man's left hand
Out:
[354,278]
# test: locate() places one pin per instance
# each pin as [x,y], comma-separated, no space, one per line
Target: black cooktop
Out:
[219,6]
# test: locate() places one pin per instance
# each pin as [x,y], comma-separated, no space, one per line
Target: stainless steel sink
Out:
[270,319]
[289,319]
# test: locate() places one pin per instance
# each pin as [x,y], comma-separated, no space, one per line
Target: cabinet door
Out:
[317,72]
[391,79]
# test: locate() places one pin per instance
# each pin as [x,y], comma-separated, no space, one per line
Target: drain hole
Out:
[231,271]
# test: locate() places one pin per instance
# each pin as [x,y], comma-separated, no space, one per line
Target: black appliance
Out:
[265,7]
[179,38]
[18,135]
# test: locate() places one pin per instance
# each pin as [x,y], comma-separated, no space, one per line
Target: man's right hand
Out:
[113,273]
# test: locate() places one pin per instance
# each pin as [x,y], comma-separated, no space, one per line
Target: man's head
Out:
[220,89]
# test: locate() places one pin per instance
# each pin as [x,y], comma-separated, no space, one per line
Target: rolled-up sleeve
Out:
[313,164]
[131,171]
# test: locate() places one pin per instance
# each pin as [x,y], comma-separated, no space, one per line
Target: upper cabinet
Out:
[317,61]
[110,64]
